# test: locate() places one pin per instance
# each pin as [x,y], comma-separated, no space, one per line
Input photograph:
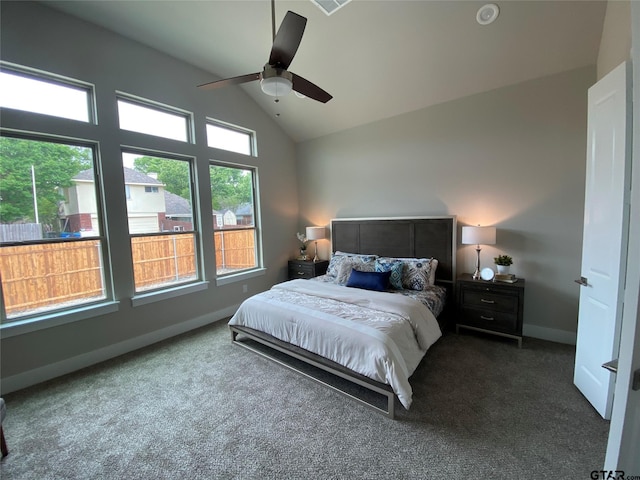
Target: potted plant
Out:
[503,263]
[303,247]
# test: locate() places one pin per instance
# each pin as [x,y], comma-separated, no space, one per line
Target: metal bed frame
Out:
[412,237]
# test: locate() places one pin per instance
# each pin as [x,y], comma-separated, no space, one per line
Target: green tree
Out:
[230,187]
[173,173]
[54,166]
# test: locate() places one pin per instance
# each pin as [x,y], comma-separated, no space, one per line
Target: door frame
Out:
[624,430]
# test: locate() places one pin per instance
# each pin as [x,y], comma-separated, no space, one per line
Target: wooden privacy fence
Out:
[48,275]
[161,260]
[239,247]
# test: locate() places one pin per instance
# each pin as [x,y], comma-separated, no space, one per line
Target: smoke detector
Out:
[487,14]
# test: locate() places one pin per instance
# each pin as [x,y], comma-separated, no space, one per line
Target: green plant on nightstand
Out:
[503,263]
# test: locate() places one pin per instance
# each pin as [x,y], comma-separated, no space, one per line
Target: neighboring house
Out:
[146,204]
[244,214]
[218,220]
[178,215]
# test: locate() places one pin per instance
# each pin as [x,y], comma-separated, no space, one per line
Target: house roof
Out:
[244,209]
[175,205]
[130,177]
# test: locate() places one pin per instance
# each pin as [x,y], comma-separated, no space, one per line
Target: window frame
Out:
[160,107]
[253,145]
[55,79]
[66,314]
[258,269]
[142,297]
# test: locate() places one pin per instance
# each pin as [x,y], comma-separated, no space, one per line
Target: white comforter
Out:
[377,334]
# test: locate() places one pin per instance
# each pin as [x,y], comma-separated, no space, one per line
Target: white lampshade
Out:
[315,233]
[478,235]
[276,86]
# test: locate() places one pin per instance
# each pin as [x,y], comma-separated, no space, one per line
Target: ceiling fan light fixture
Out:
[276,86]
[487,14]
[276,82]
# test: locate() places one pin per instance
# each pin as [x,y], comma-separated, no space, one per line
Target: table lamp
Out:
[315,233]
[478,236]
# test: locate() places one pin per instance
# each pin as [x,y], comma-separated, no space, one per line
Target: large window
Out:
[234,222]
[230,137]
[159,192]
[47,95]
[52,246]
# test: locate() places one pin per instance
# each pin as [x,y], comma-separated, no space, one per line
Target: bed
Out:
[375,335]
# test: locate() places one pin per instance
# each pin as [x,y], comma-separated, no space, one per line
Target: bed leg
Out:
[234,335]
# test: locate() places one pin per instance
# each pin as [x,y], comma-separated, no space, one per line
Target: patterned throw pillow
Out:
[416,273]
[385,264]
[364,263]
[352,263]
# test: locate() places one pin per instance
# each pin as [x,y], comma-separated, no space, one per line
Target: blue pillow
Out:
[378,281]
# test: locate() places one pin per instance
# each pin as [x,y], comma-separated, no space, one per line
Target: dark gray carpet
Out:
[197,407]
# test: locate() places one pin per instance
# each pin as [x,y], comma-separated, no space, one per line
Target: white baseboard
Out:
[551,334]
[48,372]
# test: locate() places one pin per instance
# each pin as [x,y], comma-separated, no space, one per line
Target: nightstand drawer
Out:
[307,268]
[301,272]
[490,320]
[490,301]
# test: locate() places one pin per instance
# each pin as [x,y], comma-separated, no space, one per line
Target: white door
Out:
[604,239]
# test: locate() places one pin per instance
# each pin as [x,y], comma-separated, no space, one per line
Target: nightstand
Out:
[490,307]
[307,268]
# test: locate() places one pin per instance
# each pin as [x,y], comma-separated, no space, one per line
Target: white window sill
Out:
[20,327]
[151,297]
[238,277]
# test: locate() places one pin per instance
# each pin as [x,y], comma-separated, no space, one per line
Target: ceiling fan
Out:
[275,79]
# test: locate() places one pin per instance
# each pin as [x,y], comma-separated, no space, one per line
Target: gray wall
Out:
[39,37]
[615,44]
[512,157]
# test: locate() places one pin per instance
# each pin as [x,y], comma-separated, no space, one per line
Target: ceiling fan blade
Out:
[287,40]
[308,89]
[230,81]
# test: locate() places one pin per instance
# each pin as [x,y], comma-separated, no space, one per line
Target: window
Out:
[162,226]
[228,137]
[234,222]
[51,242]
[152,119]
[46,94]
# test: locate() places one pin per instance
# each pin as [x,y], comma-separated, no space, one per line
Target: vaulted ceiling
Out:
[377,58]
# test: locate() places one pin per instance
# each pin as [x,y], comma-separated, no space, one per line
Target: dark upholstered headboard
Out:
[420,237]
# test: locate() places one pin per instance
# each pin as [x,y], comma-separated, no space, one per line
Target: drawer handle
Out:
[487,301]
[300,273]
[486,318]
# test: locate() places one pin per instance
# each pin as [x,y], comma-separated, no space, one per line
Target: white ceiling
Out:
[377,58]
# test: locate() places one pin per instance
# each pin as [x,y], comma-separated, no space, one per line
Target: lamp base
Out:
[315,257]
[476,274]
